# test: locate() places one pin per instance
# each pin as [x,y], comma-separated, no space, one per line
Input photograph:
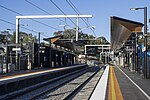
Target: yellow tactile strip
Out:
[114,89]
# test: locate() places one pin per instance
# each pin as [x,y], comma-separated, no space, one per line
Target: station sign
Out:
[16,49]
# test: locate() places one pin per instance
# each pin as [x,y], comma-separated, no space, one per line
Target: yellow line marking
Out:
[114,89]
[112,85]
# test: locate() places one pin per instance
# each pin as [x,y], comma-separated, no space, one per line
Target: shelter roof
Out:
[121,29]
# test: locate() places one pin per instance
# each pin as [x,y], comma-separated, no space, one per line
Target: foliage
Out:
[23,37]
[5,36]
[87,39]
[101,40]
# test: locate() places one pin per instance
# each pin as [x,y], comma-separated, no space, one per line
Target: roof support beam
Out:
[53,16]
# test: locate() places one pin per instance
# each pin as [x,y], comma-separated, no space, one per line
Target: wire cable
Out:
[76,9]
[15,25]
[38,7]
[45,11]
[78,12]
[42,9]
[31,19]
[61,10]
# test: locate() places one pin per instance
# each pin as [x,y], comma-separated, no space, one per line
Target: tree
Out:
[87,39]
[69,34]
[101,40]
[24,38]
[59,33]
[5,36]
[2,37]
[84,39]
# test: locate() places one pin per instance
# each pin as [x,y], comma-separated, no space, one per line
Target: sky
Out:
[101,10]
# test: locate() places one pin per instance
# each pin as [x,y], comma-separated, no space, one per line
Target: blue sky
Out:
[100,9]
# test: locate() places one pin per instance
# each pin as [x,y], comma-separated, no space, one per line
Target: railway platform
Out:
[118,83]
[13,83]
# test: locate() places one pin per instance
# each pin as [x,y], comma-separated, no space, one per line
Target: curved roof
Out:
[121,29]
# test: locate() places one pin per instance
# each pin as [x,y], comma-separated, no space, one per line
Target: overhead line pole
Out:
[17,42]
[45,17]
[77,28]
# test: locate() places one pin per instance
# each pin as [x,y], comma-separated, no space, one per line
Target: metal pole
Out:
[136,53]
[77,28]
[29,62]
[17,41]
[50,53]
[17,30]
[6,55]
[53,16]
[39,52]
[145,42]
[100,57]
[85,49]
[141,64]
[105,57]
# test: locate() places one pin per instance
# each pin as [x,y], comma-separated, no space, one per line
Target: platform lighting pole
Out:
[145,39]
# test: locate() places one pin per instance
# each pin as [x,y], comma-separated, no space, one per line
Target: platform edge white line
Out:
[148,97]
[100,90]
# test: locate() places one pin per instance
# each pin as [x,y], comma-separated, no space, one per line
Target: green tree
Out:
[23,37]
[101,40]
[85,38]
[59,33]
[5,36]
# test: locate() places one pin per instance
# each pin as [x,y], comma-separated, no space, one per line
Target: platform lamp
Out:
[145,39]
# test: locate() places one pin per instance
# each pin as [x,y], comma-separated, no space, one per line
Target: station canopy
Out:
[67,44]
[121,29]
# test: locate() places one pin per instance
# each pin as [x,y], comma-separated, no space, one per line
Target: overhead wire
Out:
[31,19]
[38,7]
[76,8]
[23,28]
[78,12]
[45,35]
[61,11]
[15,25]
[41,9]
[31,3]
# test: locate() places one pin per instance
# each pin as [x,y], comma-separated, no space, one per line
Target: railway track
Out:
[47,85]
[63,87]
